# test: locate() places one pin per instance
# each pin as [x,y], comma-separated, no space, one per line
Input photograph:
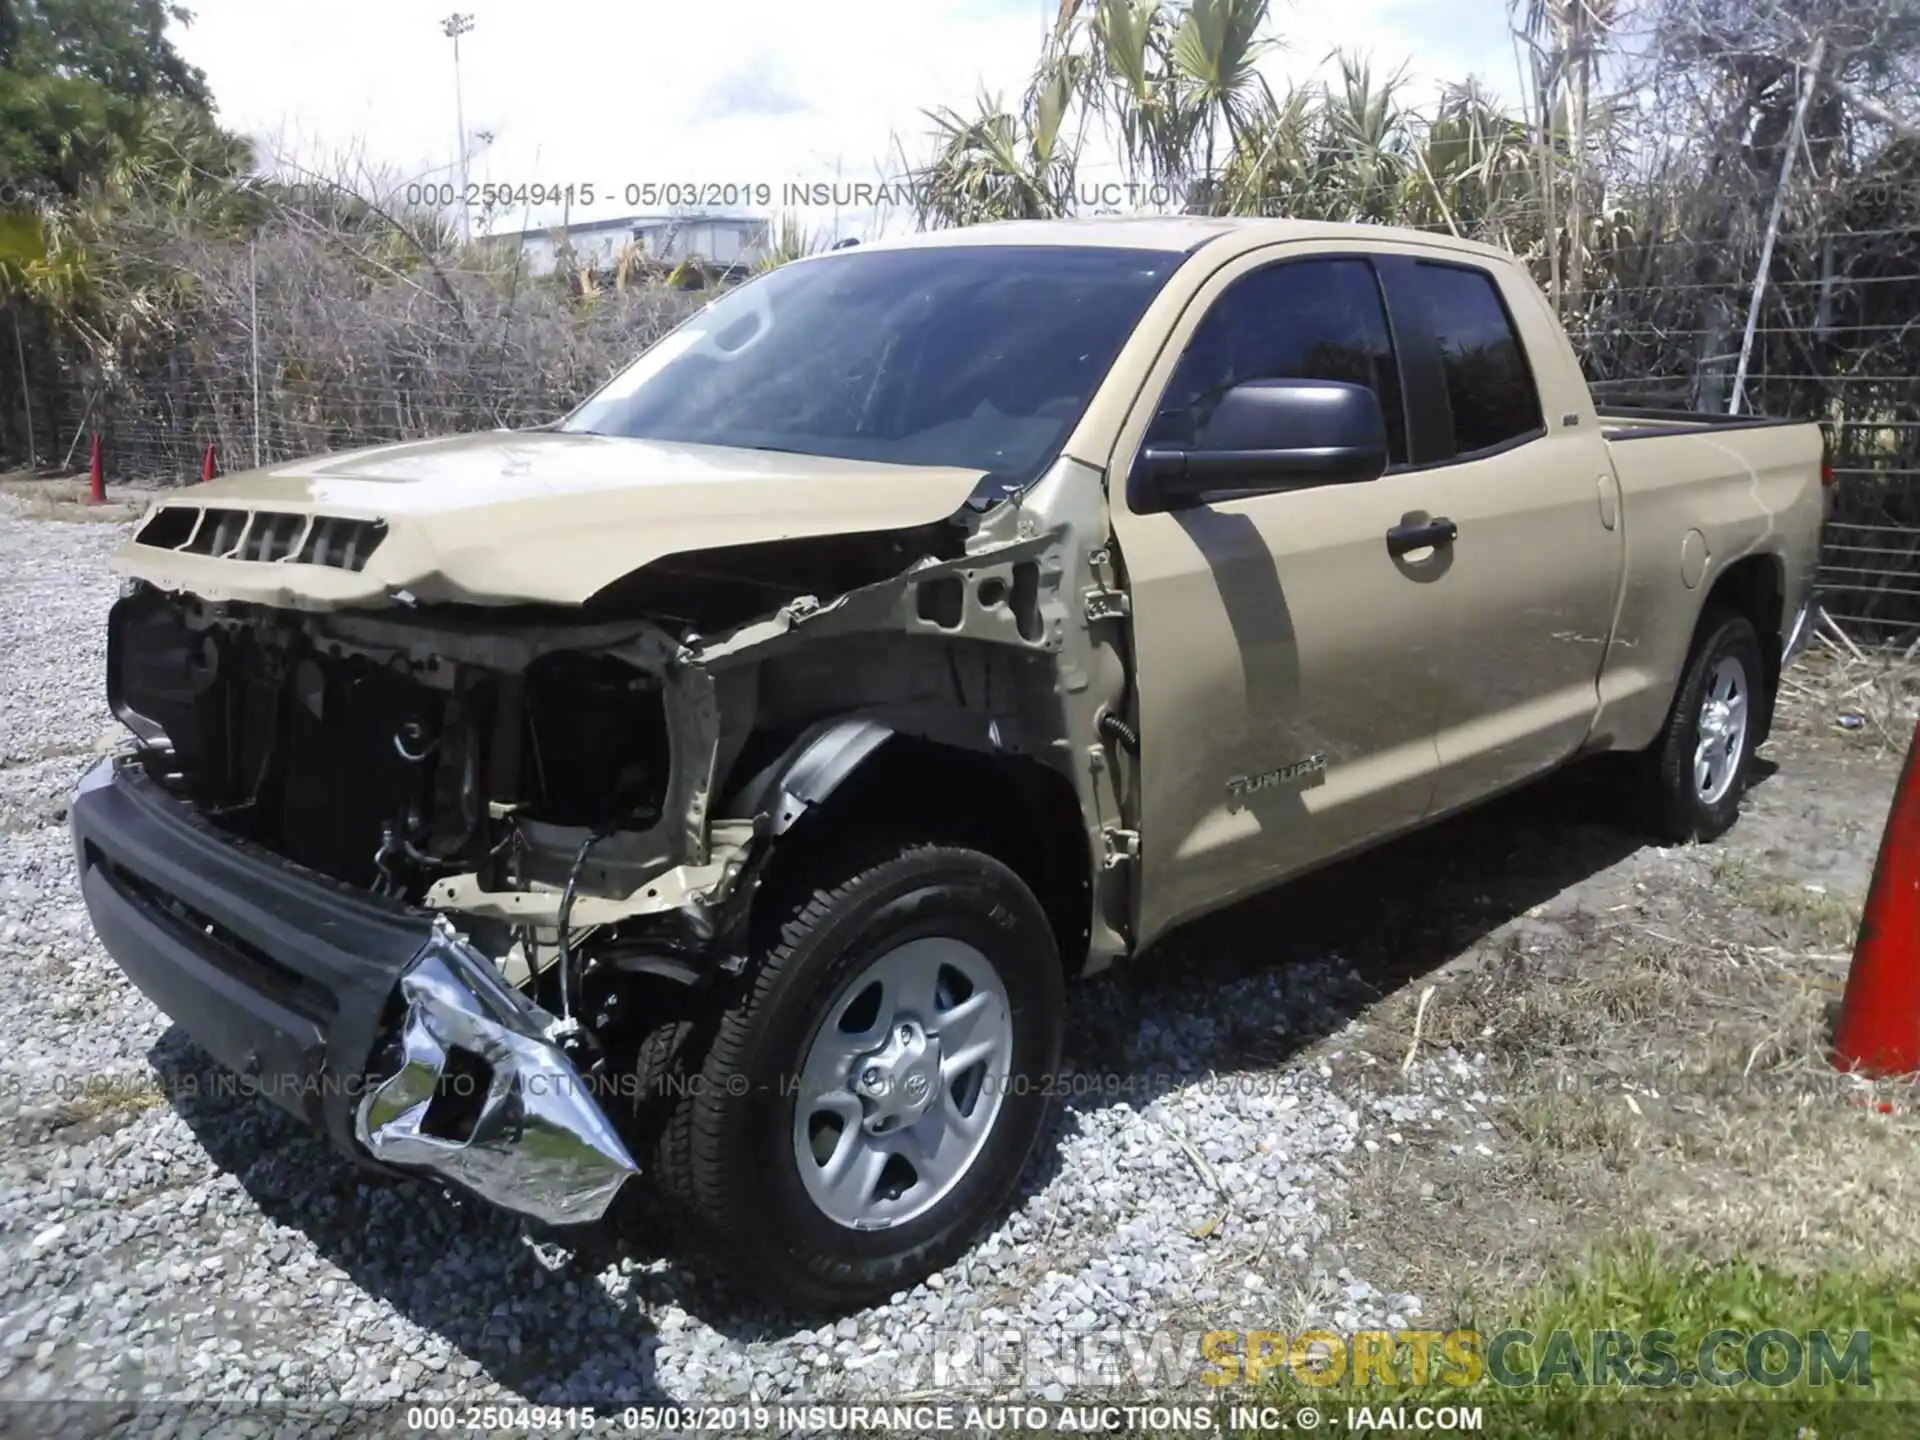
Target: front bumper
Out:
[369,1019]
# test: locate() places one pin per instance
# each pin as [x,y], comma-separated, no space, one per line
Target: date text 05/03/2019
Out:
[681,195]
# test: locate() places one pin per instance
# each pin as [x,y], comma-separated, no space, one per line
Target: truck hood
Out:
[507,517]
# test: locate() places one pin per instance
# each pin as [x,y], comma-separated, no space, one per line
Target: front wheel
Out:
[872,1090]
[1697,769]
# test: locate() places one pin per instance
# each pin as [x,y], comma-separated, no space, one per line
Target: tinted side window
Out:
[1489,386]
[1309,320]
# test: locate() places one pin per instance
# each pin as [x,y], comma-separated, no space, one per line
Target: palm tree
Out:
[1371,137]
[1475,166]
[1275,169]
[1327,152]
[174,154]
[1215,50]
[1168,79]
[1178,88]
[998,164]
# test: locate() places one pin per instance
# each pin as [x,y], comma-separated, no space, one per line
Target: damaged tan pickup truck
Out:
[724,782]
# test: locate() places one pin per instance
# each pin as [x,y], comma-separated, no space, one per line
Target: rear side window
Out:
[1489,387]
[1304,320]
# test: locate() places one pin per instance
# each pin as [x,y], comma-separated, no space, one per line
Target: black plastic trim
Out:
[278,972]
[810,770]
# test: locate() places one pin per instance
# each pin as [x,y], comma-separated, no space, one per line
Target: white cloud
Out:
[751,93]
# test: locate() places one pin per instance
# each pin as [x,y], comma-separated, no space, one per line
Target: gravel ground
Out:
[163,1239]
[1245,1142]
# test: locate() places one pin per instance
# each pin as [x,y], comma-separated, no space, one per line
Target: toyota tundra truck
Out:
[725,783]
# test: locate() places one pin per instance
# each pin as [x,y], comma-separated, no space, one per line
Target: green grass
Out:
[1635,1288]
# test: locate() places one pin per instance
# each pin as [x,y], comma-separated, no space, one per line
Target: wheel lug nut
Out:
[872,1078]
[906,1034]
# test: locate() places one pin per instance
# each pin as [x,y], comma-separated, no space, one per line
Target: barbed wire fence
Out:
[1842,348]
[293,344]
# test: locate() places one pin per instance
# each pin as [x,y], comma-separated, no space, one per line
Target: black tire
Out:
[1673,806]
[723,1148]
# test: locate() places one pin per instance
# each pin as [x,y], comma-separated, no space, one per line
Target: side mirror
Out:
[1264,436]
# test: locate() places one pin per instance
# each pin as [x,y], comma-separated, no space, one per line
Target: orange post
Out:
[206,466]
[97,494]
[1878,1032]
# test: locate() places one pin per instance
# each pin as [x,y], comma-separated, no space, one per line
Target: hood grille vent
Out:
[265,536]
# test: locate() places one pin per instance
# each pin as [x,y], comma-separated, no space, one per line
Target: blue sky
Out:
[749,92]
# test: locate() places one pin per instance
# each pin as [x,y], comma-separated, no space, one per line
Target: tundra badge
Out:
[1241,786]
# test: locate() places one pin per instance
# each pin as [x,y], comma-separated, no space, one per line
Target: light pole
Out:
[453,27]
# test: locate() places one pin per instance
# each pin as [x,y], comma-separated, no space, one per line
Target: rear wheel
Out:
[872,1089]
[1696,772]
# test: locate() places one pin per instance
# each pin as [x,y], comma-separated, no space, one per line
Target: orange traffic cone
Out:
[206,466]
[97,493]
[1878,1032]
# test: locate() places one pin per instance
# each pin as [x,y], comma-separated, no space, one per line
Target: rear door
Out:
[1516,461]
[1286,659]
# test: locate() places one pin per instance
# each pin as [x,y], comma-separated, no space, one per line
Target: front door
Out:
[1287,659]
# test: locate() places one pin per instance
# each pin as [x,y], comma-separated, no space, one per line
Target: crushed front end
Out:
[393,868]
[446,857]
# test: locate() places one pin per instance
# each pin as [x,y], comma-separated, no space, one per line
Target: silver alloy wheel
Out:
[901,1084]
[1722,730]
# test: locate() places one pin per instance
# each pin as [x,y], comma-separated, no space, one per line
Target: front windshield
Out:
[976,356]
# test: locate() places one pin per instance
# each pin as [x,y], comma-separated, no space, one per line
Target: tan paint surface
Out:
[1269,629]
[1266,631]
[1752,492]
[1693,559]
[1534,577]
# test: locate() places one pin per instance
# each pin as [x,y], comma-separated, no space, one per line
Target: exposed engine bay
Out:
[380,772]
[593,780]
[431,766]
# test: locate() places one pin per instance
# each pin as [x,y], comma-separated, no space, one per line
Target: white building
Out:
[722,239]
[725,241]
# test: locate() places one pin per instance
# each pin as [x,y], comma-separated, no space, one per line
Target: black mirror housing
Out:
[1265,436]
